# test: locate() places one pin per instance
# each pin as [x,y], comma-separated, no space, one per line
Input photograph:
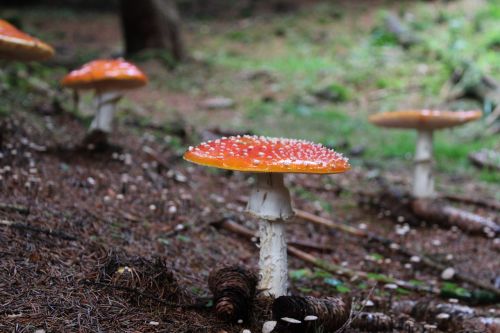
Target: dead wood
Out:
[400,205]
[234,289]
[14,208]
[331,313]
[471,201]
[403,33]
[327,266]
[30,228]
[393,246]
[486,159]
[448,216]
[311,246]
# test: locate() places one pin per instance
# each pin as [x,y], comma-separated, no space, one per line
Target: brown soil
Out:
[112,256]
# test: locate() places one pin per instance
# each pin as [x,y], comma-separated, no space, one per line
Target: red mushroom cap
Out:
[15,44]
[424,119]
[114,74]
[265,154]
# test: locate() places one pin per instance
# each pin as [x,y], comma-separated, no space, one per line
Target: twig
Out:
[199,305]
[311,246]
[330,267]
[399,248]
[48,232]
[13,207]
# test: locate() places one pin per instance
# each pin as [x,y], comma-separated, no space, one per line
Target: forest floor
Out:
[72,219]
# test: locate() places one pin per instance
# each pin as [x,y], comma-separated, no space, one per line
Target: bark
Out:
[448,216]
[151,24]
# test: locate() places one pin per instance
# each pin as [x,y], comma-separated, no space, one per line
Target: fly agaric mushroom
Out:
[108,78]
[16,45]
[425,122]
[269,159]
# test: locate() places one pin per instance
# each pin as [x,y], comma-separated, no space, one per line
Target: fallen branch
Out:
[48,232]
[405,37]
[413,211]
[330,267]
[471,201]
[16,208]
[449,216]
[371,237]
[486,159]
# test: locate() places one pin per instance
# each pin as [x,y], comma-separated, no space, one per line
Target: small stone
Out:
[394,246]
[436,242]
[449,257]
[362,226]
[453,300]
[391,286]
[154,323]
[246,331]
[448,273]
[269,326]
[172,210]
[39,330]
[240,321]
[408,266]
[415,259]
[152,207]
[368,303]
[120,196]
[443,316]
[91,181]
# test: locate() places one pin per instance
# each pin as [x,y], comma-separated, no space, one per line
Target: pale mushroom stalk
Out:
[423,180]
[106,106]
[270,201]
[425,122]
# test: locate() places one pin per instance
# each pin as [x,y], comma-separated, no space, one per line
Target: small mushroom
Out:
[269,159]
[108,78]
[425,122]
[17,45]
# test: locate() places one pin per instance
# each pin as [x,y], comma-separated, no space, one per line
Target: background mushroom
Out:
[16,45]
[425,122]
[108,78]
[269,159]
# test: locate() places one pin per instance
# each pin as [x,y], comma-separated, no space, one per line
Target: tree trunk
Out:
[151,24]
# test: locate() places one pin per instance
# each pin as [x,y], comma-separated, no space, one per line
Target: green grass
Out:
[361,60]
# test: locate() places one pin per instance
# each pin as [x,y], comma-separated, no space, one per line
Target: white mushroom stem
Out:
[423,180]
[106,104]
[270,201]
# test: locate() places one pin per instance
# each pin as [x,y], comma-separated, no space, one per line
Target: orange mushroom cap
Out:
[424,119]
[103,74]
[16,45]
[265,154]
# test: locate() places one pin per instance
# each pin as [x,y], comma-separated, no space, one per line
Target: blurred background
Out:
[302,68]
